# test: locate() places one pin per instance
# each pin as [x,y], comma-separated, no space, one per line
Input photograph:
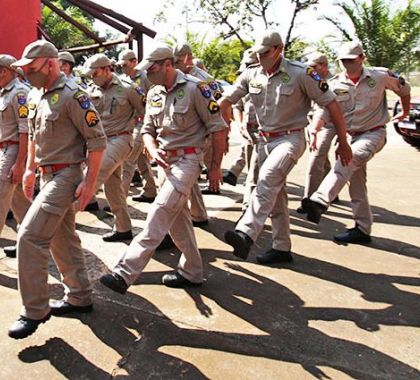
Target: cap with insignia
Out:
[159,53]
[37,49]
[350,50]
[316,58]
[6,61]
[266,41]
[66,56]
[95,62]
[126,55]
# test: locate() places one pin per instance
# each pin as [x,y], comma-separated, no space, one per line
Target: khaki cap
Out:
[6,61]
[95,62]
[160,53]
[266,41]
[37,49]
[350,50]
[182,49]
[249,57]
[126,55]
[316,58]
[66,56]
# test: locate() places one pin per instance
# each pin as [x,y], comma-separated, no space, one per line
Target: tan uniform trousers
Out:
[49,225]
[243,158]
[276,158]
[198,208]
[364,147]
[118,148]
[168,213]
[319,164]
[11,195]
[251,177]
[137,159]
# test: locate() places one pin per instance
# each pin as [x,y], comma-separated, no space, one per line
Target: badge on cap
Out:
[91,118]
[213,107]
[83,100]
[205,89]
[23,112]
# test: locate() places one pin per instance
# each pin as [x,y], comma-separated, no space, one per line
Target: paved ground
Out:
[337,312]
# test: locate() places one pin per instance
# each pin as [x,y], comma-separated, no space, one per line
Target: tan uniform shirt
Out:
[364,104]
[283,99]
[13,110]
[64,124]
[207,82]
[183,116]
[118,104]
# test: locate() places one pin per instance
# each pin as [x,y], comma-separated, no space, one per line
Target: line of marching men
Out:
[82,137]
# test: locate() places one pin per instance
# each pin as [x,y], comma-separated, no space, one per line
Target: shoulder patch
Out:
[23,112]
[91,118]
[217,94]
[213,84]
[401,80]
[297,63]
[155,100]
[204,89]
[21,98]
[213,107]
[322,84]
[83,99]
[138,89]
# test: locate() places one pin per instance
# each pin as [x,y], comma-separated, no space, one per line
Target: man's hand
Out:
[16,172]
[344,152]
[28,184]
[312,142]
[83,194]
[159,156]
[400,116]
[215,178]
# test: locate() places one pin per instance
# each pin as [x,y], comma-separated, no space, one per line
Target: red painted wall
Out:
[18,25]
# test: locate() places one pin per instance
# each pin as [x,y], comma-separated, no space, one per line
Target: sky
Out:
[307,26]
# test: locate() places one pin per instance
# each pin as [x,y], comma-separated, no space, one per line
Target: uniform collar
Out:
[9,85]
[180,79]
[58,84]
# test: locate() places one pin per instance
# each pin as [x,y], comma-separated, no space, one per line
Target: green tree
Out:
[63,34]
[390,39]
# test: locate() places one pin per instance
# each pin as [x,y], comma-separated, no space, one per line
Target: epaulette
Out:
[298,64]
[72,85]
[191,78]
[124,79]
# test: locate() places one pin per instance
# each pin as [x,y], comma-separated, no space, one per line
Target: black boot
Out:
[315,210]
[353,235]
[240,242]
[275,256]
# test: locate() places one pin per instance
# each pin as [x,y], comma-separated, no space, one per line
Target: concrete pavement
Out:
[337,312]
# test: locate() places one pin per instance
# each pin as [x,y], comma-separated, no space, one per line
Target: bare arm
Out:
[17,170]
[219,146]
[87,187]
[28,181]
[405,105]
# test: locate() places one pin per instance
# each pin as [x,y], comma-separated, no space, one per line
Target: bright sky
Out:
[307,25]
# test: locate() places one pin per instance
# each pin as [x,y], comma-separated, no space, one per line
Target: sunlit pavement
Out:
[336,312]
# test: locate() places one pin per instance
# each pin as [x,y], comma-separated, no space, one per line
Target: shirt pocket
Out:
[344,99]
[5,111]
[118,105]
[285,93]
[178,117]
[48,123]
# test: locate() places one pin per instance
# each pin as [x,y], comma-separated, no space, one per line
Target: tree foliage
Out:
[236,18]
[390,39]
[63,34]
